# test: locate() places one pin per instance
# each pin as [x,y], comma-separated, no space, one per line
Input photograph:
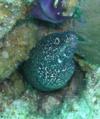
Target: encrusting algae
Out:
[15,48]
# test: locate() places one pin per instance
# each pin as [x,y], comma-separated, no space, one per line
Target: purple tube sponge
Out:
[49,10]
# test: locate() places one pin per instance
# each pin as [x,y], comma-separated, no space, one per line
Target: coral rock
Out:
[15,48]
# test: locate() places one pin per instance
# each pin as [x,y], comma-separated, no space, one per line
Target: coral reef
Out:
[9,14]
[13,87]
[58,105]
[50,65]
[80,98]
[15,48]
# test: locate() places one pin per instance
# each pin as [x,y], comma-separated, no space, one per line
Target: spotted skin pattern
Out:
[51,64]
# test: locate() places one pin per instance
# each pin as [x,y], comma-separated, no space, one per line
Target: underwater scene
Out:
[49,59]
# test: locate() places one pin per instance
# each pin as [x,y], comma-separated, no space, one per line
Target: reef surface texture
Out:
[58,105]
[15,48]
[10,12]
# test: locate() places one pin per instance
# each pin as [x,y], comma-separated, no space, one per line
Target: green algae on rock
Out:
[15,48]
[51,65]
[17,85]
[13,87]
[9,14]
[11,11]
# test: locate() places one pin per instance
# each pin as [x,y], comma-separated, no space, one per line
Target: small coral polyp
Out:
[51,64]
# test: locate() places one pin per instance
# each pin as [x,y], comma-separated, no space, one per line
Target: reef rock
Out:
[15,48]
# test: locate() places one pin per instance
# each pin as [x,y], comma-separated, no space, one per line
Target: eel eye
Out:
[57,41]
